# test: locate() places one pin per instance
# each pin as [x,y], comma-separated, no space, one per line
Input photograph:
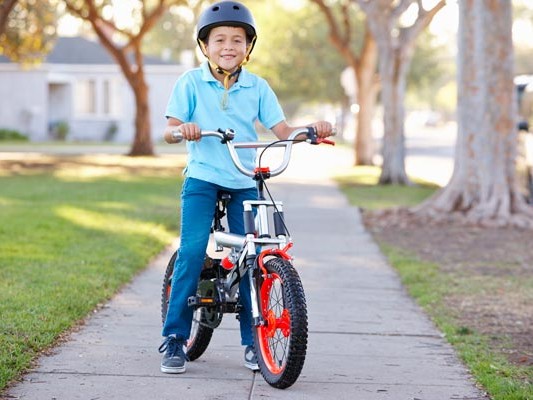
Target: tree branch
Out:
[149,20]
[5,9]
[409,34]
[340,41]
[402,7]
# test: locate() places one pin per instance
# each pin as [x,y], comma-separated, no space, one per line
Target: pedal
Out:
[199,301]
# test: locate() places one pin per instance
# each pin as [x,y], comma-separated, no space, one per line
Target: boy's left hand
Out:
[323,129]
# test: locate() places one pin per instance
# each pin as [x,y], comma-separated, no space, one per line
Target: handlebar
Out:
[226,137]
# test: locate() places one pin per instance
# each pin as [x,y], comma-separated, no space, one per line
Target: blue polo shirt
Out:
[198,97]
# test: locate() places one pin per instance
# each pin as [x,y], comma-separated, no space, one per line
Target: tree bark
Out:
[393,73]
[368,85]
[142,143]
[483,189]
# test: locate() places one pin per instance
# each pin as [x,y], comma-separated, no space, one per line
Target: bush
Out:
[12,135]
[61,130]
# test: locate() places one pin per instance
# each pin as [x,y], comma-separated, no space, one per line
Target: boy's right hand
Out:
[190,131]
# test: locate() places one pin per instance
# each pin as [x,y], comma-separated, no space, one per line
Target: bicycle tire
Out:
[281,342]
[200,333]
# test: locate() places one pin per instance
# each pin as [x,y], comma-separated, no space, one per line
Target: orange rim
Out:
[274,335]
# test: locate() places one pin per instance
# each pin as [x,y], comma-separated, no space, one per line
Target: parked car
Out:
[524,87]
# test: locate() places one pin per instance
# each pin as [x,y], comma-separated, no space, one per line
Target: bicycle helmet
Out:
[226,13]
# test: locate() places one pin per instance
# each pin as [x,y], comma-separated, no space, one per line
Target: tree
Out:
[123,42]
[483,187]
[395,47]
[291,54]
[27,29]
[363,63]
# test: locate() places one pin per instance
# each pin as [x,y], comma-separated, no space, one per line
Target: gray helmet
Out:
[225,13]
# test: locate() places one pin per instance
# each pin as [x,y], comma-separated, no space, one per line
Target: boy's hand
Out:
[190,131]
[323,129]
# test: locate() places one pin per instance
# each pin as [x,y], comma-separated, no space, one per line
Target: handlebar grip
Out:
[177,136]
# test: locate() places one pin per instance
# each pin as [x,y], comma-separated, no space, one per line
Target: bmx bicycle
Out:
[279,312]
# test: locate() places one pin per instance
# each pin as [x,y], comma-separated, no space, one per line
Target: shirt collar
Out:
[244,76]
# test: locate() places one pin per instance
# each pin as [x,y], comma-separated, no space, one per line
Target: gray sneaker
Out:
[174,360]
[250,358]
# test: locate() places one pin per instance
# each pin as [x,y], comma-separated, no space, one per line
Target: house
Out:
[80,86]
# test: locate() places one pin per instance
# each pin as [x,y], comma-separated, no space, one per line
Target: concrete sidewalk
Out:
[367,338]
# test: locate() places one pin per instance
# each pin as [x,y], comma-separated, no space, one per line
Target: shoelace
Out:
[173,345]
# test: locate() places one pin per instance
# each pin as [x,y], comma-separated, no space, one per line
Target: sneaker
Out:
[250,358]
[173,361]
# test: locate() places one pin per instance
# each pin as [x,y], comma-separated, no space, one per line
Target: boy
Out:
[218,94]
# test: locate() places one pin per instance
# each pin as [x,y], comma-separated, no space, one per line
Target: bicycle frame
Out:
[258,229]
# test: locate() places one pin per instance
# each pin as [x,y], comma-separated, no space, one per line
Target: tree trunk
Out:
[135,76]
[364,142]
[392,67]
[142,143]
[483,189]
[367,92]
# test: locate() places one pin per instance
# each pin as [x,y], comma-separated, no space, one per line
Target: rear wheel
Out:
[281,342]
[203,319]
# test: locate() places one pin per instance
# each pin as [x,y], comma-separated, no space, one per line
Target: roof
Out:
[79,50]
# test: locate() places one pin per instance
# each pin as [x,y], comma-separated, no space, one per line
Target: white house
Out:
[80,84]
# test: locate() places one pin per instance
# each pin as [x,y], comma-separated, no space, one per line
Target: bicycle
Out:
[279,311]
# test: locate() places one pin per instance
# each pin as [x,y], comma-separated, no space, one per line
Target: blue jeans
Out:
[198,199]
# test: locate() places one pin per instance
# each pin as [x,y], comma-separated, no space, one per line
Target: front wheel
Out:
[203,319]
[281,341]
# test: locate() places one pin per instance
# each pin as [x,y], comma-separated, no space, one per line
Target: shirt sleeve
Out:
[182,100]
[270,111]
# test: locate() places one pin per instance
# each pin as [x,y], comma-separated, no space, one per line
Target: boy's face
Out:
[226,46]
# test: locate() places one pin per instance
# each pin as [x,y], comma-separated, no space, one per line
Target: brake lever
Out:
[312,137]
[325,141]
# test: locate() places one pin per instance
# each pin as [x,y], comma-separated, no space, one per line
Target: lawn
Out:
[74,230]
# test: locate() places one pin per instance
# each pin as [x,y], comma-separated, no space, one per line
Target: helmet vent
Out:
[236,8]
[216,8]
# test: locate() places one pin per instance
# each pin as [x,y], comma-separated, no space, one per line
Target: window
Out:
[85,97]
[97,97]
[106,101]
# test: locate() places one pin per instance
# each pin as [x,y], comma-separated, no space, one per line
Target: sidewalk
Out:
[367,339]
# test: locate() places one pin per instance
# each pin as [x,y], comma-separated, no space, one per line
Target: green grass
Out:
[430,286]
[68,241]
[360,185]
